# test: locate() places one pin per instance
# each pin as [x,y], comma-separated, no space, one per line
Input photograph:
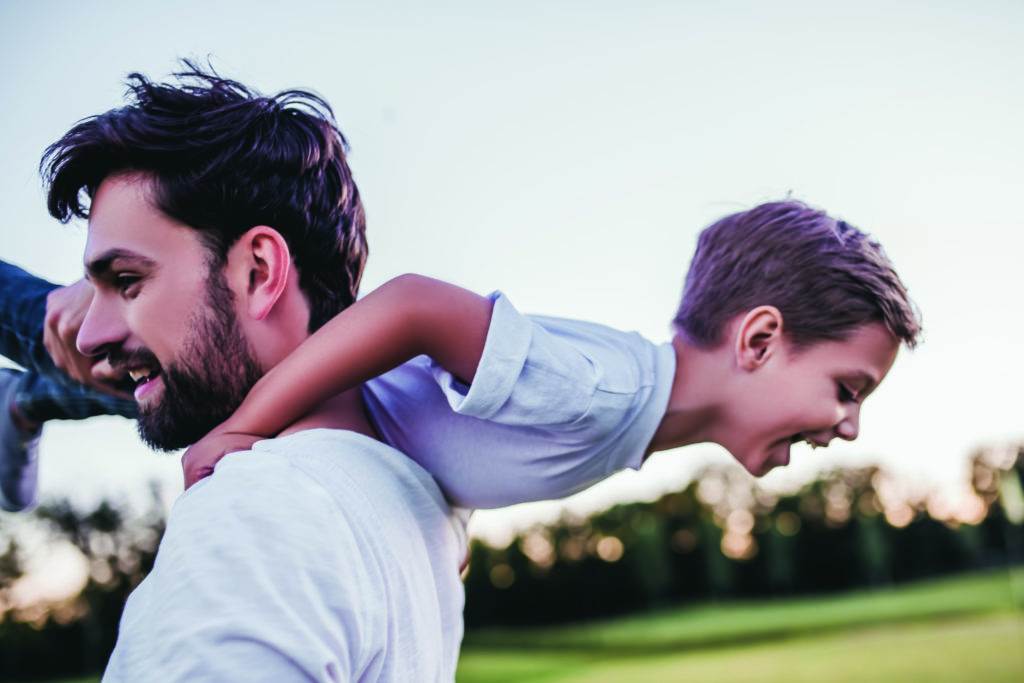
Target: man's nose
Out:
[849,427]
[102,328]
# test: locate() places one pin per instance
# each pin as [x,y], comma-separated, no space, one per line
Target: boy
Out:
[789,319]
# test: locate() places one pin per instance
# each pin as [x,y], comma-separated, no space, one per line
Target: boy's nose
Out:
[850,425]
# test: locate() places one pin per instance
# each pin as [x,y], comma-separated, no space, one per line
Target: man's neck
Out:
[693,406]
[344,411]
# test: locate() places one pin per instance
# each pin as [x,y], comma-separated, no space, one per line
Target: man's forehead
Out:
[105,248]
[125,225]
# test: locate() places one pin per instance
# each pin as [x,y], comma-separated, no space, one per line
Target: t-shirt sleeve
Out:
[527,375]
[257,573]
[554,406]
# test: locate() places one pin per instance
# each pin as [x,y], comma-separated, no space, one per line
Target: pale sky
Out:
[569,156]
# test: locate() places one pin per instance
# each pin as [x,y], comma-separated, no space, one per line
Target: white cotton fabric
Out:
[319,556]
[328,556]
[555,406]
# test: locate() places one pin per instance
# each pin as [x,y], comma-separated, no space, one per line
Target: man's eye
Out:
[125,284]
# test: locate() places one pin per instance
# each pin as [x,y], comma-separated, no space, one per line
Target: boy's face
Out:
[814,396]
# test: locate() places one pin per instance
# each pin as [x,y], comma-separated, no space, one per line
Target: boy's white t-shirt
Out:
[320,556]
[556,405]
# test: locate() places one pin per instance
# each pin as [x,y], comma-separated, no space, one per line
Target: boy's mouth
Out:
[797,438]
[778,454]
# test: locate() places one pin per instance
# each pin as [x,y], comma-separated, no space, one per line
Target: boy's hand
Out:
[199,460]
[65,310]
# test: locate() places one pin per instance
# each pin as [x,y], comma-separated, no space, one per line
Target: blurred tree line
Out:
[721,537]
[74,636]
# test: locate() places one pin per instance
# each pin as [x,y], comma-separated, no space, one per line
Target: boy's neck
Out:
[694,406]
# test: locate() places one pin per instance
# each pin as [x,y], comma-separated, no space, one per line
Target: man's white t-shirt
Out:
[319,556]
[328,556]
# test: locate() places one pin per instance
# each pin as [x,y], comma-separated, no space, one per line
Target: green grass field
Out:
[963,629]
[963,650]
[968,629]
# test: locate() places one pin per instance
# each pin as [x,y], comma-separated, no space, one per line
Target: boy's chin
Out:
[761,463]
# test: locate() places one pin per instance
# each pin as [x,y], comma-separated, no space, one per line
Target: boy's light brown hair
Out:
[825,276]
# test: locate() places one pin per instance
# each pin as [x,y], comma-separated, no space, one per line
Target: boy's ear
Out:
[758,336]
[260,262]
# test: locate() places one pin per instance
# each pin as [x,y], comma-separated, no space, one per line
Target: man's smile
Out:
[146,385]
[140,369]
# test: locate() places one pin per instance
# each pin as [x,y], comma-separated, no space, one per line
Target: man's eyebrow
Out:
[99,267]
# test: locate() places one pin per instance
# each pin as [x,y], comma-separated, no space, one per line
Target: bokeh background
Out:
[568,154]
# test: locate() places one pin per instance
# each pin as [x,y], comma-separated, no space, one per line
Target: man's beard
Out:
[213,373]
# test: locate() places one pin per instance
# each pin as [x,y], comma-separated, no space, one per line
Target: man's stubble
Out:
[212,374]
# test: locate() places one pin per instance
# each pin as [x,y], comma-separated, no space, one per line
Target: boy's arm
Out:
[408,316]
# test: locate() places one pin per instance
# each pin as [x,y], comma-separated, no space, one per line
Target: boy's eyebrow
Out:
[869,382]
[99,267]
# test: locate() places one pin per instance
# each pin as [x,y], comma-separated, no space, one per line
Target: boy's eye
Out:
[845,394]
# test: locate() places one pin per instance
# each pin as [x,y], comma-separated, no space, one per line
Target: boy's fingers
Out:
[192,476]
[197,464]
[193,470]
[199,460]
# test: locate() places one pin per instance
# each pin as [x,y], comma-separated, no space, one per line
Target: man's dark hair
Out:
[222,158]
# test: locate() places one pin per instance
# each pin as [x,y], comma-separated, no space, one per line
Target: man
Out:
[223,228]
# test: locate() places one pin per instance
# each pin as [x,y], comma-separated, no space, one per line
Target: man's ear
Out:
[260,262]
[758,336]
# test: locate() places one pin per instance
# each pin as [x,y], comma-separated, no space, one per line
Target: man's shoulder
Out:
[319,504]
[253,494]
[321,478]
[257,564]
[250,480]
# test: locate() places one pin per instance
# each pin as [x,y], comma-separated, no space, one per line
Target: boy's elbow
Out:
[409,281]
[418,296]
